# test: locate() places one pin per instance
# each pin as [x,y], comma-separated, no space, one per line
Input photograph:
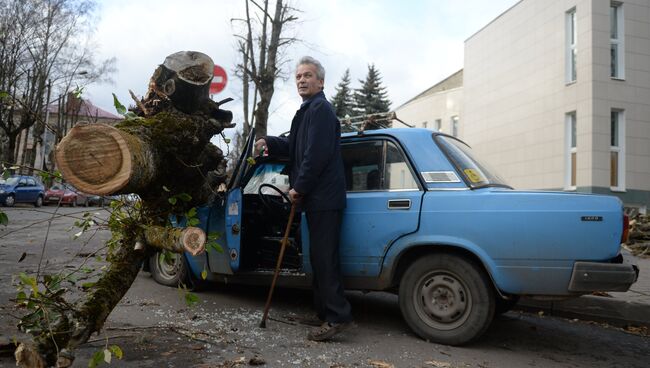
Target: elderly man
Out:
[318,186]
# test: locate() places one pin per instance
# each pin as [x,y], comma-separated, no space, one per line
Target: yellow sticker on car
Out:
[473,175]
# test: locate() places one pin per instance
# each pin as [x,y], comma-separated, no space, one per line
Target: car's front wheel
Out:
[446,299]
[10,201]
[39,202]
[167,268]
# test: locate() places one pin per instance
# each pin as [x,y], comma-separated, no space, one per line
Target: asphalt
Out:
[624,309]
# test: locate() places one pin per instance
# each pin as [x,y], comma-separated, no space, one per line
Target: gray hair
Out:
[320,71]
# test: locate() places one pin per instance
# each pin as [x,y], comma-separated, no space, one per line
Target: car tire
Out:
[504,305]
[10,201]
[168,271]
[86,204]
[73,203]
[446,299]
[39,202]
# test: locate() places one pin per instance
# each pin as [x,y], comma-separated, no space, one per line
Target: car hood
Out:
[6,186]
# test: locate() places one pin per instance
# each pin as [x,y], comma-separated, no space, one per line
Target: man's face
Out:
[307,82]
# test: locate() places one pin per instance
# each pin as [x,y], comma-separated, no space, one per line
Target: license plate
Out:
[54,198]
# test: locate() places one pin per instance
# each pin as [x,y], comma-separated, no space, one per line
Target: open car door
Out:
[233,205]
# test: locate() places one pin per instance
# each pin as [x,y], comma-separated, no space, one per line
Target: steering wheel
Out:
[274,204]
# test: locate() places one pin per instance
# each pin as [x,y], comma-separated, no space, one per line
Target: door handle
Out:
[399,204]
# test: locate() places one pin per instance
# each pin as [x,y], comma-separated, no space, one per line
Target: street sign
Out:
[219,80]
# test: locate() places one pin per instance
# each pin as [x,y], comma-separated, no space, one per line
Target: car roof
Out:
[399,133]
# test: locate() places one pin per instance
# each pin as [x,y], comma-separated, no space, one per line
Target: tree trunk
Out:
[166,157]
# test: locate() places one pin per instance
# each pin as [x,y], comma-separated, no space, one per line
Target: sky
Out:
[413,43]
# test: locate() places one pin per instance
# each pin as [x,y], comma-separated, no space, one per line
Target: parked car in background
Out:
[65,195]
[21,189]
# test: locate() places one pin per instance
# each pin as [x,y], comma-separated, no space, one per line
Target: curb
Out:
[592,308]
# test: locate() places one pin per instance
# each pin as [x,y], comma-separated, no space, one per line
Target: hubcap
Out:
[442,300]
[9,201]
[169,266]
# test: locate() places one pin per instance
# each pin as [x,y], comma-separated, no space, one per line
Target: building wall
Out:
[441,105]
[516,96]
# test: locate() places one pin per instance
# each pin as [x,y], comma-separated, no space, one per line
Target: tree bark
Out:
[165,156]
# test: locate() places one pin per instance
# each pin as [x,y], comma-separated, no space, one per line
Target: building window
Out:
[571,42]
[438,124]
[571,151]
[617,37]
[424,124]
[617,151]
[454,126]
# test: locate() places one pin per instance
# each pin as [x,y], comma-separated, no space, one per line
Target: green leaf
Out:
[21,296]
[204,274]
[29,281]
[191,212]
[227,140]
[4,94]
[191,299]
[116,351]
[184,197]
[251,161]
[118,106]
[172,200]
[96,359]
[193,222]
[4,219]
[166,189]
[87,285]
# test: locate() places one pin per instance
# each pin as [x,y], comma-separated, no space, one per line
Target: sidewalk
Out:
[621,309]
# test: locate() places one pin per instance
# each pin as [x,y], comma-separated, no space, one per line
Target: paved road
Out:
[156,329]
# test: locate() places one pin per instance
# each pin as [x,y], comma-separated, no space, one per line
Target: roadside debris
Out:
[639,239]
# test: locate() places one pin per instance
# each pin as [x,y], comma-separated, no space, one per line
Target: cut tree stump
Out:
[100,159]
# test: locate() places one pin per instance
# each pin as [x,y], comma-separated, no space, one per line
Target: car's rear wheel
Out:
[10,201]
[39,202]
[74,202]
[167,269]
[446,299]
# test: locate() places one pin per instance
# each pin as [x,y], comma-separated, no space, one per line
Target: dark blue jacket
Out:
[314,151]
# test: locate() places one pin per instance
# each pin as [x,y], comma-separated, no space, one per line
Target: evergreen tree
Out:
[372,97]
[342,102]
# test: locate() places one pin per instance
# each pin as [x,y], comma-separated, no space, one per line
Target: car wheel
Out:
[39,202]
[86,204]
[167,270]
[503,305]
[10,201]
[446,299]
[73,203]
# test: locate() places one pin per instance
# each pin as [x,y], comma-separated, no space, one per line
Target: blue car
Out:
[424,219]
[21,189]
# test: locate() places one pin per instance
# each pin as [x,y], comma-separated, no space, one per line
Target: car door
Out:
[383,203]
[22,191]
[233,207]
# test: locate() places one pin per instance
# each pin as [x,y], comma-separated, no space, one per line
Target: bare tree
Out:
[44,47]
[261,44]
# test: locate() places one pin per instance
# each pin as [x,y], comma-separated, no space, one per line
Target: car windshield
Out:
[476,173]
[268,174]
[56,187]
[11,181]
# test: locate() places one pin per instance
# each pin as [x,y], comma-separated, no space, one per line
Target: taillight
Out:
[626,229]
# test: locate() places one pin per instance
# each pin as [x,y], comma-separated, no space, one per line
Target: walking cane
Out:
[285,240]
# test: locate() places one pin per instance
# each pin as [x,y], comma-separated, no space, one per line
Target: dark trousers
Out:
[324,235]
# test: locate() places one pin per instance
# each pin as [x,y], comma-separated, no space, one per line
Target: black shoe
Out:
[327,330]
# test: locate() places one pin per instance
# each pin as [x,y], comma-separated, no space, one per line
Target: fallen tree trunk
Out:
[163,153]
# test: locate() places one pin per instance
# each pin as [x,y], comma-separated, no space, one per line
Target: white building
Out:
[556,95]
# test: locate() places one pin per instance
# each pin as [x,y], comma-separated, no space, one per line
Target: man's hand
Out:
[260,147]
[294,196]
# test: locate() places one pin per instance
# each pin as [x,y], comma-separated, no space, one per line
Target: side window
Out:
[268,174]
[362,161]
[376,165]
[397,174]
